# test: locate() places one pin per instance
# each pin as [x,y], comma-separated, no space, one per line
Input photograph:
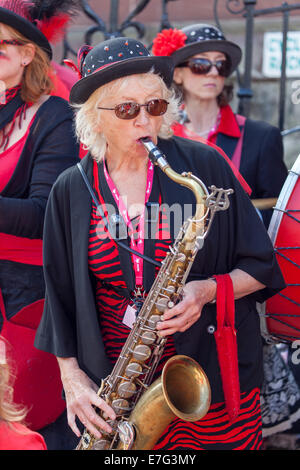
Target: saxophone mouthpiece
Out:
[156,156]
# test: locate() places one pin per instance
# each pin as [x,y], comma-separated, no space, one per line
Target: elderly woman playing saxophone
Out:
[96,281]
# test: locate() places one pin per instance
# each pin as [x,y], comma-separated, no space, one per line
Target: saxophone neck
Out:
[185,179]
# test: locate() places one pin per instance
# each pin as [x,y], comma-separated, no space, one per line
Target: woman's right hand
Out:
[81,397]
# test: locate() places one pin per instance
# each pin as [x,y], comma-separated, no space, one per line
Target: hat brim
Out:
[26,28]
[83,89]
[232,50]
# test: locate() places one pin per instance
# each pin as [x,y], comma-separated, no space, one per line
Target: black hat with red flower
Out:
[113,59]
[182,44]
[40,21]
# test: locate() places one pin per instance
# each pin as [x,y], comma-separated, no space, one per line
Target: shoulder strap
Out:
[236,158]
[106,222]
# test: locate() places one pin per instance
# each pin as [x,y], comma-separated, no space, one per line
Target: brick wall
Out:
[178,10]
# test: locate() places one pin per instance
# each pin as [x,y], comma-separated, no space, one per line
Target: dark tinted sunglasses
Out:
[130,110]
[202,66]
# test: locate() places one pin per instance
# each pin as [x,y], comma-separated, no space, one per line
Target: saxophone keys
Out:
[148,337]
[120,406]
[180,257]
[162,304]
[85,440]
[133,369]
[153,320]
[141,352]
[126,434]
[101,444]
[126,389]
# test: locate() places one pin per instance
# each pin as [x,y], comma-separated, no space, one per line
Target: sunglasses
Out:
[130,110]
[202,66]
[11,42]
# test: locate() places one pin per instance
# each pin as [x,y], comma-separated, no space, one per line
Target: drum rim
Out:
[274,225]
[283,199]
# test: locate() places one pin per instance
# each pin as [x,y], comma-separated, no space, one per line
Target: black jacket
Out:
[237,239]
[262,163]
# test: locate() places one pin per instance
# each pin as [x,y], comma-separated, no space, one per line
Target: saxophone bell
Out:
[182,391]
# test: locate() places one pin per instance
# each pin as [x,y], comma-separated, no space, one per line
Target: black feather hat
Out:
[41,21]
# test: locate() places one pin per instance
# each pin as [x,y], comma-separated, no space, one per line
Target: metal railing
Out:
[112,28]
[247,8]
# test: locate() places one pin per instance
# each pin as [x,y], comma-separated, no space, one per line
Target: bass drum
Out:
[280,315]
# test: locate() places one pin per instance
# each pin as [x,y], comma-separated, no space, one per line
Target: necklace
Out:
[208,131]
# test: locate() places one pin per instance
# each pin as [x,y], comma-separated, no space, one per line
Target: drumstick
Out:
[266,203]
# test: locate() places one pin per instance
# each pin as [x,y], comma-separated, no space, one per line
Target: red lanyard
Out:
[135,244]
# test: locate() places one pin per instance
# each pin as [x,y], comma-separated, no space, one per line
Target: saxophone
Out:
[143,410]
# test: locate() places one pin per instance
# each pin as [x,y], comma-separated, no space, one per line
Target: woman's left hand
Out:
[179,318]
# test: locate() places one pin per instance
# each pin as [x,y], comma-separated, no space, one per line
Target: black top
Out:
[237,239]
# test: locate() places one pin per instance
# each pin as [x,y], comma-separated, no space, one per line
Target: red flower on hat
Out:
[168,41]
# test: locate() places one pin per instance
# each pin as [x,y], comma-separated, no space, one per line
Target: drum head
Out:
[280,315]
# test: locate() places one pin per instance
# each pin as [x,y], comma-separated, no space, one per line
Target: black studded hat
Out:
[112,59]
[185,43]
[203,38]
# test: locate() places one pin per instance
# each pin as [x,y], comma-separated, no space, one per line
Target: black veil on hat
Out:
[185,43]
[112,59]
[38,20]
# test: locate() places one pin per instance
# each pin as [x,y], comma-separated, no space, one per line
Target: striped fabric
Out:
[213,431]
[104,263]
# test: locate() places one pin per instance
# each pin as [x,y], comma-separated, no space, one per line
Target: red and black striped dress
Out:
[213,431]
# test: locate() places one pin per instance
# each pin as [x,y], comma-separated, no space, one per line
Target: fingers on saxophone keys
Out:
[168,327]
[107,410]
[180,323]
[94,423]
[91,427]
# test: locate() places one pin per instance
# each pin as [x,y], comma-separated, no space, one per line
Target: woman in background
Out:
[203,59]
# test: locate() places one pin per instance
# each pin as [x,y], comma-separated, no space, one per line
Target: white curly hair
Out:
[88,116]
